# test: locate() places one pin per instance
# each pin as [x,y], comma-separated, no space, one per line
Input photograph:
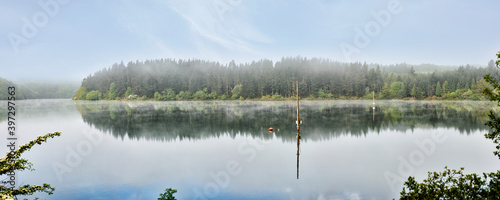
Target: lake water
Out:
[222,149]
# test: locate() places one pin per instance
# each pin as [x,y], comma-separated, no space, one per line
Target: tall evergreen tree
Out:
[438,89]
[444,90]
[112,91]
[414,91]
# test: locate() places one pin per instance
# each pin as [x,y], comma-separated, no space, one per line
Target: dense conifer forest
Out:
[170,79]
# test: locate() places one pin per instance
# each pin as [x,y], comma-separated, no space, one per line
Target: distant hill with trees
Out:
[39,89]
[170,79]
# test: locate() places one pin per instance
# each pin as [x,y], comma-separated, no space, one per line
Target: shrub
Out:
[94,95]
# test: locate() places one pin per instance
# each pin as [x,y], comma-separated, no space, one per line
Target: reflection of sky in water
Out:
[344,167]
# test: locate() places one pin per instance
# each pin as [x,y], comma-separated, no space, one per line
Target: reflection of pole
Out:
[373,120]
[298,133]
[298,144]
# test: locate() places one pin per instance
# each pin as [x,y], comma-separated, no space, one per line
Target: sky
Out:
[69,40]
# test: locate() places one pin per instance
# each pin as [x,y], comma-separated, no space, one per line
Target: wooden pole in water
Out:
[298,130]
[298,122]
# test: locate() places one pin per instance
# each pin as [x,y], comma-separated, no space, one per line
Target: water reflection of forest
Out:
[322,120]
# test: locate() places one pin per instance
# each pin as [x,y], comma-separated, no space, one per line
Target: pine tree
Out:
[414,91]
[112,91]
[445,88]
[402,91]
[438,89]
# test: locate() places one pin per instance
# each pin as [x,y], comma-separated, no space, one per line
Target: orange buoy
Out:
[272,129]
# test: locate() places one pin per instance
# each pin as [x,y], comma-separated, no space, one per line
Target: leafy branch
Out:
[494,122]
[12,162]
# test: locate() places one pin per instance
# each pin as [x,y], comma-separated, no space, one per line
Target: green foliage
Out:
[132,97]
[397,90]
[323,95]
[402,92]
[414,91]
[168,194]
[469,95]
[113,92]
[158,96]
[479,87]
[187,95]
[128,92]
[452,95]
[368,93]
[453,184]
[493,95]
[212,95]
[438,89]
[236,91]
[444,89]
[13,162]
[277,97]
[385,93]
[93,95]
[200,94]
[81,94]
[267,97]
[169,94]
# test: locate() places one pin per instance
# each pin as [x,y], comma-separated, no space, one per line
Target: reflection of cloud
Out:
[220,22]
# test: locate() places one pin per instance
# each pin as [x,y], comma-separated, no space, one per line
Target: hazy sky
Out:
[69,39]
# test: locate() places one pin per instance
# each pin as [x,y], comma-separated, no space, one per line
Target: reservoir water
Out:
[223,149]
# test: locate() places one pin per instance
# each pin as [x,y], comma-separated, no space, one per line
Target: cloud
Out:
[221,23]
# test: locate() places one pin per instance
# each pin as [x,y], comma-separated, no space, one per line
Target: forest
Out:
[194,79]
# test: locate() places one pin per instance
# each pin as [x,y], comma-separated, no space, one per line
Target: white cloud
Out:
[220,22]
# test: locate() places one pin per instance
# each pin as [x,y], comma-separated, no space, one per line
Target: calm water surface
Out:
[222,150]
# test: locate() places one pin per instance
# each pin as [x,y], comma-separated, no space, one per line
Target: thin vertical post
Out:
[298,122]
[298,130]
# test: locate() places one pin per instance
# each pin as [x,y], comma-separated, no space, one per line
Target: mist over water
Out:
[323,120]
[134,150]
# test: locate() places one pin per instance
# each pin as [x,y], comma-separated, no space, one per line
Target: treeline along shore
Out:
[170,79]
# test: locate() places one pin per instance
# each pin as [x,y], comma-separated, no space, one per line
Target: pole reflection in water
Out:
[298,150]
[373,119]
[298,130]
[373,111]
